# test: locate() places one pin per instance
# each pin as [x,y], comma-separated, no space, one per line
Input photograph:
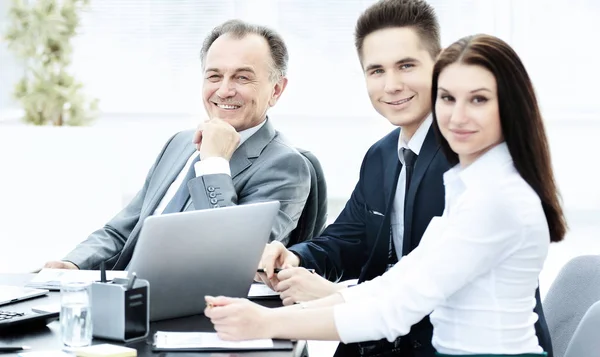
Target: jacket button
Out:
[216,206]
[210,189]
[212,195]
[213,201]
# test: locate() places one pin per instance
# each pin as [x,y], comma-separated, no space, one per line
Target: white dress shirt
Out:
[211,165]
[475,270]
[397,219]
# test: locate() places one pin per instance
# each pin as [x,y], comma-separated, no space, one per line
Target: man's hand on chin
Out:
[217,138]
[60,265]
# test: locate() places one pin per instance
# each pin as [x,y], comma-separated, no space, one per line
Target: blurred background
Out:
[140,60]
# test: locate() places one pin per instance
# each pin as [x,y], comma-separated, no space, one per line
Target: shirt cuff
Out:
[356,322]
[211,166]
[348,283]
[353,293]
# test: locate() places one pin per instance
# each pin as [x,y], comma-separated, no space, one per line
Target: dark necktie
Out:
[183,193]
[409,162]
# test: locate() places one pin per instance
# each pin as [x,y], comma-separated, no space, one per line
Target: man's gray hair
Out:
[239,29]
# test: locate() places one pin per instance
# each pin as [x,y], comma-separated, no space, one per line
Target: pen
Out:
[277,270]
[131,281]
[13,348]
[102,272]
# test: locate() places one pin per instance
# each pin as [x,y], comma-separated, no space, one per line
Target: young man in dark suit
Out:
[400,187]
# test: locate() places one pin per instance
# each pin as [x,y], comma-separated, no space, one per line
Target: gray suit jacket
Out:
[264,167]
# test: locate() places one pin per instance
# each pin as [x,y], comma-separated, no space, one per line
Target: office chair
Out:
[314,215]
[585,341]
[575,289]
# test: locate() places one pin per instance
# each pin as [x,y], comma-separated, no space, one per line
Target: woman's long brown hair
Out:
[521,121]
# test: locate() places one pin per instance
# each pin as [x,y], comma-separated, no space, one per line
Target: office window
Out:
[557,40]
[141,56]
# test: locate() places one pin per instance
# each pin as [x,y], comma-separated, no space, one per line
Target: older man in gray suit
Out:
[235,157]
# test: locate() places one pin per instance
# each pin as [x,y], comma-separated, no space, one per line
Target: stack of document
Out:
[209,341]
[52,278]
[105,350]
[101,350]
[44,353]
[185,340]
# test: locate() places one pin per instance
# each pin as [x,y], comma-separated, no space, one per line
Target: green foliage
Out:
[40,34]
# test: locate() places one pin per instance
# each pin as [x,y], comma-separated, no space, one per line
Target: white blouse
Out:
[475,271]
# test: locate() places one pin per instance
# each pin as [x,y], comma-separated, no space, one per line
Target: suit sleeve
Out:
[341,249]
[108,241]
[286,179]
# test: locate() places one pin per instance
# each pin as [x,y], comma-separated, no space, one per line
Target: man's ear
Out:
[278,90]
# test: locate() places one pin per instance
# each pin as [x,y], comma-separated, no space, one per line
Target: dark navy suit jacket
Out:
[356,245]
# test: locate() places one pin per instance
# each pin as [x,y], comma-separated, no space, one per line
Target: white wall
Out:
[54,195]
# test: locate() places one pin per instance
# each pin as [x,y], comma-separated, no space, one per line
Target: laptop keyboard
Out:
[17,322]
[7,315]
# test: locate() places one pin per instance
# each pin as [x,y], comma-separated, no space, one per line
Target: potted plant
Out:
[60,176]
[40,33]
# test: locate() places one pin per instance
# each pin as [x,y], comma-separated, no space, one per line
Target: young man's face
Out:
[398,72]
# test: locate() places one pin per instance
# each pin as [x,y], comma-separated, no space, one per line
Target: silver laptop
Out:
[12,294]
[188,255]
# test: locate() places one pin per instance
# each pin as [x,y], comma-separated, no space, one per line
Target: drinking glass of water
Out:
[75,314]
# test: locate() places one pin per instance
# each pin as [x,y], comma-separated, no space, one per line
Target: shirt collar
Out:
[484,168]
[247,133]
[416,141]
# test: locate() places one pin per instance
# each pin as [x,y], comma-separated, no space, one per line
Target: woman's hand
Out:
[237,319]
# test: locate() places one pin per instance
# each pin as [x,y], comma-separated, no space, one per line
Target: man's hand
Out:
[301,285]
[274,256]
[216,138]
[60,265]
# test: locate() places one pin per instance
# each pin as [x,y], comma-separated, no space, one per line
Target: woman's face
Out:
[467,110]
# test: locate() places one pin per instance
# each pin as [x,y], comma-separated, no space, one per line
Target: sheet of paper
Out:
[52,278]
[55,353]
[105,349]
[42,309]
[261,290]
[175,340]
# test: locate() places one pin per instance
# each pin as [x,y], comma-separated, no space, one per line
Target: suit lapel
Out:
[428,151]
[176,167]
[390,170]
[391,173]
[239,161]
[243,157]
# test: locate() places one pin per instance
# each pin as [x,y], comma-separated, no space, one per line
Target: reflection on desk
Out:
[51,278]
[49,338]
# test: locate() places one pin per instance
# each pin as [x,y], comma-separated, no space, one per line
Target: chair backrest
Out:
[575,289]
[314,215]
[586,339]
